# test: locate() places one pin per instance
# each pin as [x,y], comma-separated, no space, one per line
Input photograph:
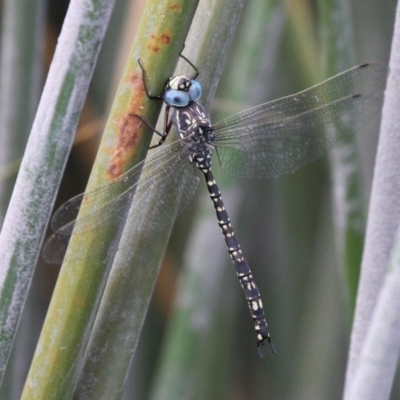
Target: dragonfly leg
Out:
[167,127]
[152,97]
[190,63]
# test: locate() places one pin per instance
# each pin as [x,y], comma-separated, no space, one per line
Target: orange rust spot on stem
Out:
[153,48]
[175,7]
[135,78]
[165,38]
[136,81]
[128,130]
[128,136]
[159,40]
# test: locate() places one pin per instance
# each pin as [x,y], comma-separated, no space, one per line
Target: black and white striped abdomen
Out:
[243,271]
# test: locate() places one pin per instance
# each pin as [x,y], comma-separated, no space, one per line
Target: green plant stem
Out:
[348,190]
[66,331]
[20,82]
[44,159]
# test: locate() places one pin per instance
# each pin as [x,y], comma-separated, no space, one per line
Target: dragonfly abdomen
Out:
[250,289]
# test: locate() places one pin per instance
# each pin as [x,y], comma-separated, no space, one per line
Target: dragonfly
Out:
[266,141]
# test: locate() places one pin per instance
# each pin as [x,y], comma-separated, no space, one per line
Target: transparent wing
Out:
[160,184]
[280,136]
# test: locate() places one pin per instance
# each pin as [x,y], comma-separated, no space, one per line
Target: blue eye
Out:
[195,90]
[176,98]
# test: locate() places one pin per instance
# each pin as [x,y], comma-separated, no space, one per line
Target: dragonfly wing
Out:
[66,213]
[109,204]
[97,200]
[279,137]
[56,245]
[167,201]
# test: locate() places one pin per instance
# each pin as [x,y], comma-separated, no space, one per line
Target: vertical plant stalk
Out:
[45,157]
[159,39]
[20,82]
[201,331]
[383,217]
[305,47]
[379,357]
[348,194]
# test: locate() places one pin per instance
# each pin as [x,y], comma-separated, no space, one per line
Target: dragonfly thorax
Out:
[193,122]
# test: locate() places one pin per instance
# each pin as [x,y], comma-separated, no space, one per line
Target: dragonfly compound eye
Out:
[195,91]
[176,98]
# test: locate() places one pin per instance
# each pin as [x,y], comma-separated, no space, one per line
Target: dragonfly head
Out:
[180,90]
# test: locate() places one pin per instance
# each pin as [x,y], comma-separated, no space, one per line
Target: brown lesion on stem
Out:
[157,41]
[175,7]
[129,129]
